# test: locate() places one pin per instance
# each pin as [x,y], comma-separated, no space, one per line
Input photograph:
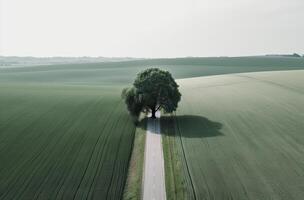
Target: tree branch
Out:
[157,108]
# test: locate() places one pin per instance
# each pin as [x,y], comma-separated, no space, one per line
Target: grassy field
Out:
[122,73]
[63,142]
[133,189]
[65,133]
[178,182]
[238,136]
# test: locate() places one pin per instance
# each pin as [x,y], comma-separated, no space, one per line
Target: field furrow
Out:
[65,142]
[243,141]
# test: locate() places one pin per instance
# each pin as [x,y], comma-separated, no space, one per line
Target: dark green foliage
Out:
[134,105]
[153,89]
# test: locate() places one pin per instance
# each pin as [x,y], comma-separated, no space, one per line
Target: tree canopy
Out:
[153,89]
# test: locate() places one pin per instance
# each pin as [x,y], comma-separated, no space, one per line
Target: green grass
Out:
[241,136]
[133,189]
[178,182]
[63,142]
[65,133]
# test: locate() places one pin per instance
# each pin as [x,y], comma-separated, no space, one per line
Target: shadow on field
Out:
[190,126]
[194,126]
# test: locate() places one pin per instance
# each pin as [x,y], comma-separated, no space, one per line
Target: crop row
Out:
[241,136]
[63,145]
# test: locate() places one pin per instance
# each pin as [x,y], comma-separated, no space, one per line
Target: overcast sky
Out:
[151,28]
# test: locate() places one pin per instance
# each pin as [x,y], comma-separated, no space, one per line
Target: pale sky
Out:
[151,28]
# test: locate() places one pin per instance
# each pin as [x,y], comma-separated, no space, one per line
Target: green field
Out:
[237,136]
[122,73]
[63,142]
[65,132]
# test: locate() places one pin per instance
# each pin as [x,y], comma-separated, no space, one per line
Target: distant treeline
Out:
[34,61]
[287,55]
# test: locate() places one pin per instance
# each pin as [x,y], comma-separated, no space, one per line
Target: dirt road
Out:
[154,171]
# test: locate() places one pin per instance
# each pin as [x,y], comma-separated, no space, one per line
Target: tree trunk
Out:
[153,113]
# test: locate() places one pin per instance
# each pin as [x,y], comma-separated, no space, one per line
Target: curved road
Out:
[154,171]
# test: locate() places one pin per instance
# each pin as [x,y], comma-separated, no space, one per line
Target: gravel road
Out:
[154,171]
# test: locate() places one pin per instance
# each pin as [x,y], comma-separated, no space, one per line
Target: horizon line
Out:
[130,57]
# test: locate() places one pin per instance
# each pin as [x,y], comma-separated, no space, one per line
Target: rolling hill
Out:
[237,136]
[65,133]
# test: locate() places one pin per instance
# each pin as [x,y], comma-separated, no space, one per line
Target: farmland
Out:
[65,132]
[122,73]
[63,142]
[237,136]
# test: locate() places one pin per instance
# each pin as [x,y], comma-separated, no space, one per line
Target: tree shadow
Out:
[189,126]
[142,123]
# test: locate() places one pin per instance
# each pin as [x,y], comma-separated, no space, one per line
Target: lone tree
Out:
[153,89]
